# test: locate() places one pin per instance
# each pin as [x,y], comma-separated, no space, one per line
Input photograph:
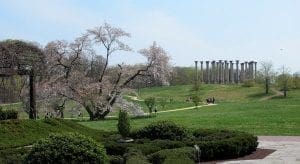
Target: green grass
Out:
[18,133]
[238,108]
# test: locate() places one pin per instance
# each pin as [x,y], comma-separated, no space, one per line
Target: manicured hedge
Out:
[185,154]
[161,130]
[8,114]
[166,142]
[67,148]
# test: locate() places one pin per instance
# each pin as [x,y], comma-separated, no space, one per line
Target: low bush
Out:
[166,142]
[135,156]
[8,114]
[116,159]
[223,144]
[185,155]
[161,130]
[66,148]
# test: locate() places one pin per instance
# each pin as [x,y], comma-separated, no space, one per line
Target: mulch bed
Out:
[258,154]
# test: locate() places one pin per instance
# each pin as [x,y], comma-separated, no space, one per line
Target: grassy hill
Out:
[239,108]
[18,133]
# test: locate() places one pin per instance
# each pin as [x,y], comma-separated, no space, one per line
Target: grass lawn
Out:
[238,108]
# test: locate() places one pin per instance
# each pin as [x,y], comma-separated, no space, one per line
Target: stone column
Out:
[220,72]
[223,72]
[201,69]
[242,73]
[217,73]
[213,71]
[231,72]
[237,78]
[251,70]
[255,69]
[246,71]
[196,68]
[207,72]
[226,78]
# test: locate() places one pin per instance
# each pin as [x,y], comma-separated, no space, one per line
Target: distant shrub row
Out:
[8,114]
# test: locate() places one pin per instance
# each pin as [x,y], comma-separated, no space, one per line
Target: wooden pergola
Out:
[21,62]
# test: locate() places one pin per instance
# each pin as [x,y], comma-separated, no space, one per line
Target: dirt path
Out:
[277,93]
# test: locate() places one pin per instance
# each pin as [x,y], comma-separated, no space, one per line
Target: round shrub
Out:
[161,130]
[66,148]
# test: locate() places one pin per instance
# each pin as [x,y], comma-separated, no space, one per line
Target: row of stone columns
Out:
[224,72]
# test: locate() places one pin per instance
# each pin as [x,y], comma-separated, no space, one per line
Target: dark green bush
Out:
[168,138]
[116,159]
[161,130]
[186,154]
[115,148]
[66,148]
[8,114]
[167,144]
[123,124]
[13,155]
[135,156]
[223,144]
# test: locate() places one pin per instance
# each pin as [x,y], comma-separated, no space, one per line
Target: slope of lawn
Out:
[238,108]
[18,133]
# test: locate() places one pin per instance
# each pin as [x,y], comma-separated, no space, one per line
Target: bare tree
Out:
[266,70]
[69,73]
[284,80]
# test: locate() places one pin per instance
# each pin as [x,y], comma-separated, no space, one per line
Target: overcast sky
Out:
[261,30]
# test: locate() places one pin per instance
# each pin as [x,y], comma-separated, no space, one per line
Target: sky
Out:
[189,30]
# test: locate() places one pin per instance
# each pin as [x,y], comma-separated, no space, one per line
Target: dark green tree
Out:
[150,102]
[123,124]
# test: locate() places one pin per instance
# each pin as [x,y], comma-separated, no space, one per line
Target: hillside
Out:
[18,133]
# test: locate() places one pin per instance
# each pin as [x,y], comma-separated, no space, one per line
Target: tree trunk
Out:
[32,110]
[267,86]
[97,113]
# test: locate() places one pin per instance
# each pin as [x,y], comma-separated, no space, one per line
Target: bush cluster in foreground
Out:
[160,142]
[166,142]
[8,114]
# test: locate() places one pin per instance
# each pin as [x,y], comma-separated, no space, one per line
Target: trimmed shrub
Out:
[223,144]
[135,156]
[116,159]
[185,155]
[66,148]
[161,130]
[123,124]
[8,114]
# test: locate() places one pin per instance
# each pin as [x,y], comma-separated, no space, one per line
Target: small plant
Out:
[150,102]
[196,99]
[123,124]
[162,102]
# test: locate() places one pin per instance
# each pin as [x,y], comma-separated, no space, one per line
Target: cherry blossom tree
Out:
[71,64]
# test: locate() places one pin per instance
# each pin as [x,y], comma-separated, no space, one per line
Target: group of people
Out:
[210,100]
